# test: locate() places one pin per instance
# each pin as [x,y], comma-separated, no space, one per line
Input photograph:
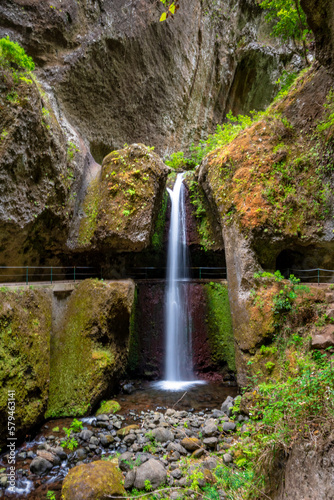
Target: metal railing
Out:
[316,275]
[160,273]
[46,274]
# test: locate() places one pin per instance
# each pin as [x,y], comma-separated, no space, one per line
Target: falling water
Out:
[178,364]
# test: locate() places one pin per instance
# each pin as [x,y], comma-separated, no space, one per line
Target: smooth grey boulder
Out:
[152,471]
[40,465]
[229,426]
[85,435]
[162,434]
[177,447]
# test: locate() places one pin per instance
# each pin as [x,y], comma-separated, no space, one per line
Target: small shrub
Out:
[12,54]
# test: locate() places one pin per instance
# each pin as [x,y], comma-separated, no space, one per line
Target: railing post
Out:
[200,273]
[27,275]
[318,276]
[74,274]
[51,275]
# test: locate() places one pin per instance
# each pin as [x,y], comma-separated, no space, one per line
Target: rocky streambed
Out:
[144,450]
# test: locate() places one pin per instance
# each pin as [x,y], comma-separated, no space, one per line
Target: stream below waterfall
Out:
[147,399]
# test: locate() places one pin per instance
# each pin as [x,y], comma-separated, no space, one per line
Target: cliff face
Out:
[272,188]
[109,73]
[320,18]
[122,76]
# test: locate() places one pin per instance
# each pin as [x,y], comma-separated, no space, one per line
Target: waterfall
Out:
[178,361]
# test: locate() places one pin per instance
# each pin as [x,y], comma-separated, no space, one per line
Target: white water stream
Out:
[178,364]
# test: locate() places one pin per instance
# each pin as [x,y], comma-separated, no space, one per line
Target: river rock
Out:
[210,428]
[126,430]
[191,444]
[227,405]
[227,457]
[85,435]
[81,454]
[176,473]
[91,481]
[162,435]
[53,459]
[40,465]
[176,447]
[153,471]
[210,463]
[125,462]
[229,426]
[210,442]
[130,479]
[198,453]
[106,439]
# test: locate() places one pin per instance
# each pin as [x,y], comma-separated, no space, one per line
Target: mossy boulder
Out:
[108,407]
[121,206]
[25,327]
[97,480]
[89,348]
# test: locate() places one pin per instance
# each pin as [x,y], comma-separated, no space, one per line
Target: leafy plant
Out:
[70,442]
[71,150]
[13,55]
[147,485]
[51,495]
[178,161]
[76,425]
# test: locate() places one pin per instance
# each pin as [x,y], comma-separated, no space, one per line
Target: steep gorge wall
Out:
[122,76]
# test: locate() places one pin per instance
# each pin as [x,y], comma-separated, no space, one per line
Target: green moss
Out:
[90,347]
[108,407]
[90,207]
[158,235]
[25,324]
[197,199]
[220,329]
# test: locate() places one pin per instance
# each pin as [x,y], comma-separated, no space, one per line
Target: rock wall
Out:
[260,185]
[212,337]
[308,472]
[25,326]
[320,18]
[183,71]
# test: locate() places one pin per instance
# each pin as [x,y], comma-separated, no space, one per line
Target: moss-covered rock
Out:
[89,349]
[271,189]
[25,327]
[108,407]
[95,481]
[220,331]
[122,205]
